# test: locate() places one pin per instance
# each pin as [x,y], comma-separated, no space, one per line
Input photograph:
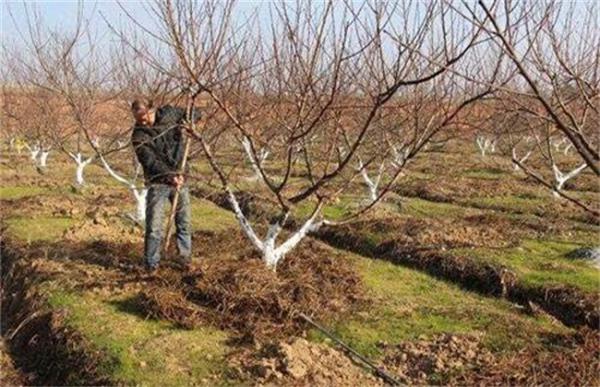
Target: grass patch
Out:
[17,192]
[409,304]
[421,208]
[207,216]
[141,351]
[335,211]
[543,262]
[510,203]
[42,228]
[485,173]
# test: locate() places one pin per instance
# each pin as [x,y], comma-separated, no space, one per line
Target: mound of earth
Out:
[574,360]
[429,233]
[426,361]
[247,297]
[234,289]
[169,304]
[449,189]
[516,228]
[302,363]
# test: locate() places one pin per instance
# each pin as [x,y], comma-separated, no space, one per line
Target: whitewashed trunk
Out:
[255,162]
[400,157]
[372,184]
[310,225]
[270,252]
[139,194]
[79,174]
[140,203]
[81,164]
[44,159]
[485,145]
[561,178]
[521,160]
[373,193]
[34,154]
[271,256]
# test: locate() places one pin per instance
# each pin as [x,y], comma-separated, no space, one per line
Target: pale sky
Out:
[63,14]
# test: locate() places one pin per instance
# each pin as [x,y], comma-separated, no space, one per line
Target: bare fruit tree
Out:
[32,118]
[557,92]
[68,67]
[309,86]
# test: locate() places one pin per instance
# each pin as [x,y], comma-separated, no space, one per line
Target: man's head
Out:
[143,113]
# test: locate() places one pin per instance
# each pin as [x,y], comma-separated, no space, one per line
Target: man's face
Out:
[143,115]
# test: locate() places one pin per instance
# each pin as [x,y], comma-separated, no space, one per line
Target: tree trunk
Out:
[140,203]
[44,159]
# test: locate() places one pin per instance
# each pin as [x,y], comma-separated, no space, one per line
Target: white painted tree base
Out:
[561,178]
[267,247]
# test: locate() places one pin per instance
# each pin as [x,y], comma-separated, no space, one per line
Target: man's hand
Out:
[178,181]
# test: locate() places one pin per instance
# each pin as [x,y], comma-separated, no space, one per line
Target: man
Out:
[158,141]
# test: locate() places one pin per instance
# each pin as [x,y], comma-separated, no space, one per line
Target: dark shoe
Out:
[185,261]
[150,269]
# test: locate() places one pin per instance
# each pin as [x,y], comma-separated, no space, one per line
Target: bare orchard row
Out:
[329,93]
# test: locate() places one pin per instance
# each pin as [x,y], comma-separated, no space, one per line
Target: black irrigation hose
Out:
[376,370]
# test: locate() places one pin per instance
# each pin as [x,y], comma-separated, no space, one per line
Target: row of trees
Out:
[317,96]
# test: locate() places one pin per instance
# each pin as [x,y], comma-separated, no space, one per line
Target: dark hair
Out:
[139,103]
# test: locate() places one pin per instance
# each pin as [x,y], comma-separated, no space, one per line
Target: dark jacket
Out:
[160,148]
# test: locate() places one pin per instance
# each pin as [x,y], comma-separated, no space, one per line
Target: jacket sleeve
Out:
[169,115]
[147,156]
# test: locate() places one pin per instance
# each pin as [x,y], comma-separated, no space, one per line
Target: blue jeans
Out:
[156,203]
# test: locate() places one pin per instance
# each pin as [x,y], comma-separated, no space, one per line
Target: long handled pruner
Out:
[181,170]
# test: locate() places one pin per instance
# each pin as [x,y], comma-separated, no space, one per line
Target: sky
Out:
[58,13]
[63,14]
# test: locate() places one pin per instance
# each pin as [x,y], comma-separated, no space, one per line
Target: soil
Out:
[452,188]
[572,361]
[571,306]
[591,254]
[237,293]
[427,361]
[471,274]
[101,226]
[302,363]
